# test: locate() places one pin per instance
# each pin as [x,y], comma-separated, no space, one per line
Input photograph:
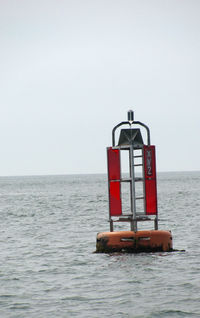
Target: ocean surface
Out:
[48,268]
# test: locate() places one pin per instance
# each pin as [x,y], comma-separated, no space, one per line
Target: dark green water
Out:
[47,266]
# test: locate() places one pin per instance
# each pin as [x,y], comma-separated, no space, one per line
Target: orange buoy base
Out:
[134,242]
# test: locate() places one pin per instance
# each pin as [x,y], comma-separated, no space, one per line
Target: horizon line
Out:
[76,174]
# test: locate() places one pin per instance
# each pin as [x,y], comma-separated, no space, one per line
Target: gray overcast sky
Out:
[70,70]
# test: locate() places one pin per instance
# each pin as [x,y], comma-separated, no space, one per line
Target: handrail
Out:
[113,131]
[134,122]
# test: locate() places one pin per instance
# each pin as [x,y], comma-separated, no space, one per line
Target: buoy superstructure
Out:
[133,195]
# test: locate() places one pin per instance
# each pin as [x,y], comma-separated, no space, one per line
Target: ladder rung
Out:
[139,198]
[126,180]
[123,220]
[139,156]
[138,165]
[144,219]
[139,179]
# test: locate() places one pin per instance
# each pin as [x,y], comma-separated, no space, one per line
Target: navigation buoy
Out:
[142,194]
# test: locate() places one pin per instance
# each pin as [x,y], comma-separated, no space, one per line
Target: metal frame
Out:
[132,218]
[132,123]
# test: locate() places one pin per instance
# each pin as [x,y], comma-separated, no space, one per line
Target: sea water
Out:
[48,267]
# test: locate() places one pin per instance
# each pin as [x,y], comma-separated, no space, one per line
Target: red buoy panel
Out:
[115,204]
[150,180]
[113,164]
